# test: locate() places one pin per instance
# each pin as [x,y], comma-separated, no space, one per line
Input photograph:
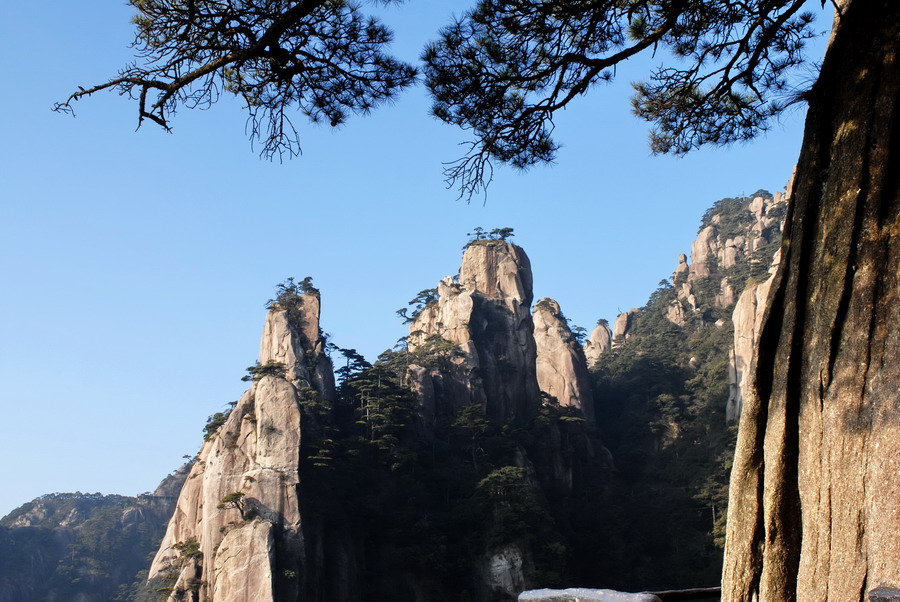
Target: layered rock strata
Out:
[237,532]
[720,247]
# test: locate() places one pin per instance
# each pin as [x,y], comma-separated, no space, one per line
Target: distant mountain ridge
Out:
[82,547]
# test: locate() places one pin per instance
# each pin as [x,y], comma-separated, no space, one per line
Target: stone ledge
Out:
[578,594]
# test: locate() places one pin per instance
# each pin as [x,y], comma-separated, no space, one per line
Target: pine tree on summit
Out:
[813,502]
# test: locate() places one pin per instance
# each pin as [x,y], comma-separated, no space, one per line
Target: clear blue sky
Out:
[135,264]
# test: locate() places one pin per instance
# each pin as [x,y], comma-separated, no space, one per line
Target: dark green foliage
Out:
[480,236]
[289,292]
[213,423]
[503,69]
[289,297]
[322,58]
[422,300]
[260,371]
[234,500]
[428,503]
[664,423]
[662,396]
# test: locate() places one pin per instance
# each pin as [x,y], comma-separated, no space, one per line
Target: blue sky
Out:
[136,264]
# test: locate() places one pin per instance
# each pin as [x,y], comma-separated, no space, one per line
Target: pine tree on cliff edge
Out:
[815,495]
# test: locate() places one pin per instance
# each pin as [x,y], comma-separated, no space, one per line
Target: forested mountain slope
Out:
[82,547]
[662,390]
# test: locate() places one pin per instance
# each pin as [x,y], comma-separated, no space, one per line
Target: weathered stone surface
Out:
[814,499]
[487,315]
[682,266]
[503,572]
[561,365]
[623,323]
[706,246]
[747,319]
[577,594]
[726,296]
[598,343]
[255,452]
[675,313]
[244,562]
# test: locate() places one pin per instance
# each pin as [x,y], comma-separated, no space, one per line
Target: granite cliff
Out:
[237,533]
[487,315]
[437,472]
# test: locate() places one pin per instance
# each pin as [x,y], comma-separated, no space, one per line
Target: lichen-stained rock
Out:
[561,365]
[487,315]
[598,343]
[243,488]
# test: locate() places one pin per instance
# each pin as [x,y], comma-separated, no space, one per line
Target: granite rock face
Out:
[747,320]
[561,365]
[213,545]
[624,322]
[720,247]
[486,314]
[598,343]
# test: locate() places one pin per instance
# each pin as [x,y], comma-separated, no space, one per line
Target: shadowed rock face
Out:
[561,365]
[237,546]
[487,315]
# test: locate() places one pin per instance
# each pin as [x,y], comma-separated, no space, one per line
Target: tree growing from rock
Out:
[813,501]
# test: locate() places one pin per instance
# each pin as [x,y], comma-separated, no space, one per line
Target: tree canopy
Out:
[501,71]
[322,58]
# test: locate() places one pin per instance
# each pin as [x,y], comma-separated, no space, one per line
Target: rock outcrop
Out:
[486,314]
[737,238]
[624,322]
[598,343]
[561,365]
[747,319]
[237,532]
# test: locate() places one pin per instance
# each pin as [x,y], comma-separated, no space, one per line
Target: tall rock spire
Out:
[561,366]
[238,516]
[487,315]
